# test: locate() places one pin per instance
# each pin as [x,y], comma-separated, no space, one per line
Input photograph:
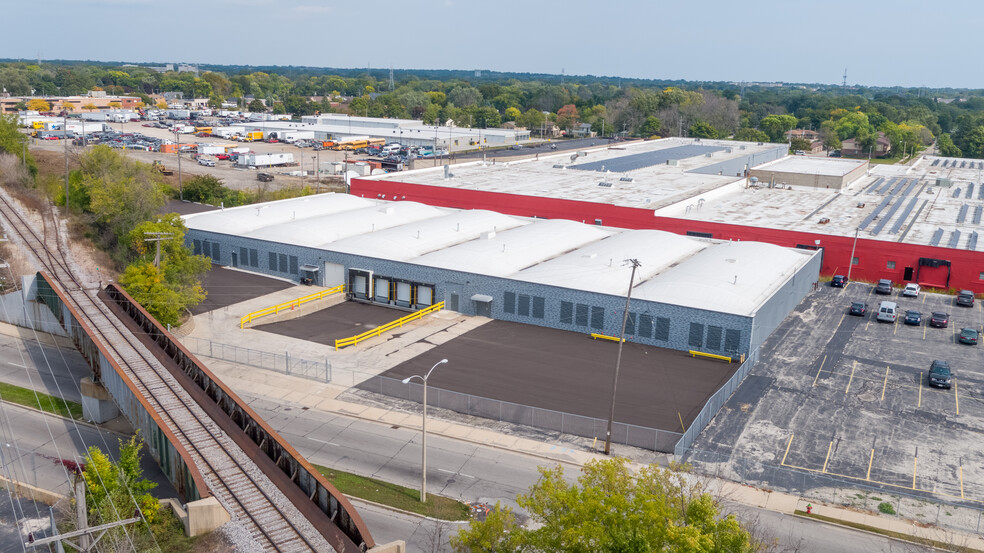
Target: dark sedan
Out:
[839,281]
[858,308]
[913,318]
[939,320]
[969,336]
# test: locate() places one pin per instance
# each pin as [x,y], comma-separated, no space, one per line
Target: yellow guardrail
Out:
[713,356]
[597,336]
[292,304]
[341,343]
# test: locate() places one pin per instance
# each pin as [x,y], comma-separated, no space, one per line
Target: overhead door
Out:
[403,294]
[382,290]
[425,296]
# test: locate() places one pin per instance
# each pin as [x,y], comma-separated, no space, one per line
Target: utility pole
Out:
[65,140]
[86,543]
[177,140]
[618,360]
[160,236]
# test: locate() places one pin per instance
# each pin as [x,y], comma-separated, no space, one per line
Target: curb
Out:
[870,533]
[354,499]
[91,425]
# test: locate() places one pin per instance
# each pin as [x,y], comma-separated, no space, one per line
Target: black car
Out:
[940,375]
[858,308]
[965,298]
[839,281]
[939,319]
[913,318]
[884,287]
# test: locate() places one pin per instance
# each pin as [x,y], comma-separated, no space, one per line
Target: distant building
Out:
[851,148]
[802,133]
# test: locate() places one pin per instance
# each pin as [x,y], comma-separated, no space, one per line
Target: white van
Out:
[887,312]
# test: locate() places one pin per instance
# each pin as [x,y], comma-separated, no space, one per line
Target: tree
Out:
[487,117]
[37,104]
[567,117]
[165,292]
[14,142]
[800,144]
[532,119]
[702,129]
[974,142]
[512,114]
[115,490]
[776,126]
[115,105]
[90,107]
[747,134]
[161,105]
[946,146]
[279,108]
[256,106]
[464,96]
[651,126]
[609,509]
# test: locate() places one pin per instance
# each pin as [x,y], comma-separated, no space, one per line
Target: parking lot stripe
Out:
[961,482]
[829,447]
[919,385]
[956,398]
[871,459]
[925,328]
[787,449]
[855,366]
[681,422]
[819,371]
[885,385]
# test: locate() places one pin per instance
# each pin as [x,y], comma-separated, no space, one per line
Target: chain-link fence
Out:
[279,362]
[714,404]
[856,493]
[536,417]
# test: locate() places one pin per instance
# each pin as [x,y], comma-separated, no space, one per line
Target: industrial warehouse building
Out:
[909,223]
[721,297]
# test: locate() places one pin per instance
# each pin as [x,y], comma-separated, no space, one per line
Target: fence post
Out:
[327,370]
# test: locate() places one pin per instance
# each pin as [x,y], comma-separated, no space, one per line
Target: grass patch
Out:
[897,535]
[393,495]
[886,508]
[38,400]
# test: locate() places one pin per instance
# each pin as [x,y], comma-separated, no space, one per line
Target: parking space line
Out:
[819,371]
[871,459]
[896,326]
[956,398]
[919,385]
[855,366]
[829,447]
[925,327]
[961,482]
[787,449]
[885,385]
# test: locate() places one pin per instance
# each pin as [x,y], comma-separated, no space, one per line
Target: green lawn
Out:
[399,497]
[37,400]
[904,537]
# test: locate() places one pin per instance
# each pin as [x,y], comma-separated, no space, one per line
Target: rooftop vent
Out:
[560,166]
[627,179]
[605,184]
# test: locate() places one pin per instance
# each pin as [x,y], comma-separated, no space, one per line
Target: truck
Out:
[293,136]
[159,166]
[211,149]
[264,160]
[251,136]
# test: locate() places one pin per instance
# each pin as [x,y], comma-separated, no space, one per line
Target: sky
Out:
[895,43]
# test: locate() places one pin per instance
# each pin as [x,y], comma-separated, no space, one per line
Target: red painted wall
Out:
[873,256]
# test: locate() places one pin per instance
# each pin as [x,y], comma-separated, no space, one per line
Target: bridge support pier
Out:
[97,405]
[199,517]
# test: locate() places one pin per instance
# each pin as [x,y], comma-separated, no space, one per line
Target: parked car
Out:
[913,318]
[965,298]
[911,290]
[969,336]
[884,287]
[940,375]
[839,281]
[887,312]
[858,308]
[264,177]
[939,319]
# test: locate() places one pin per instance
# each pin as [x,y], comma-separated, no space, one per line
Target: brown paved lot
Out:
[569,372]
[339,321]
[226,287]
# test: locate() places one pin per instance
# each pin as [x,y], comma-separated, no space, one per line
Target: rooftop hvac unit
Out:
[605,184]
[627,179]
[672,162]
[708,154]
[742,147]
[727,150]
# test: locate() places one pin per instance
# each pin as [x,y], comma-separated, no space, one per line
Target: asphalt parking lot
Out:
[847,397]
[571,373]
[226,287]
[344,320]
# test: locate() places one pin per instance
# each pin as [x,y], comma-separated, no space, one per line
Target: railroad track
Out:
[236,481]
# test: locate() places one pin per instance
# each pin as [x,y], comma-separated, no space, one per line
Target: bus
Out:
[352,144]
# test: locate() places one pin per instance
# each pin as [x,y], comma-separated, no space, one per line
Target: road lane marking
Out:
[819,371]
[456,473]
[787,449]
[829,447]
[853,368]
[885,385]
[16,365]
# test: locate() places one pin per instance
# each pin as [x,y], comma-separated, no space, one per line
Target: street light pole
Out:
[850,262]
[423,431]
[618,360]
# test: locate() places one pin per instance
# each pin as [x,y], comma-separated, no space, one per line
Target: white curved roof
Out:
[602,267]
[323,230]
[508,252]
[411,240]
[730,277]
[247,218]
